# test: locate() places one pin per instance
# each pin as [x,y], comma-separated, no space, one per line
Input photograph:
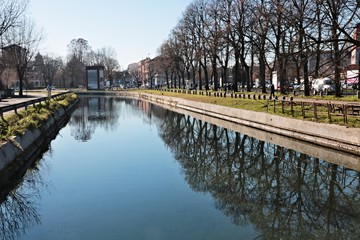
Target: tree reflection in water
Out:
[283,193]
[20,188]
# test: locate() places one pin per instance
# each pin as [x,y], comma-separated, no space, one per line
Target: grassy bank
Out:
[32,117]
[273,107]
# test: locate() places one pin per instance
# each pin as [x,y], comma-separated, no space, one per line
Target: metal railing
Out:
[25,104]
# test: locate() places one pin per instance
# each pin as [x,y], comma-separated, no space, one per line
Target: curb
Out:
[340,138]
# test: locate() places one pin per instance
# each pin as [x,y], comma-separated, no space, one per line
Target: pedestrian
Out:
[272,91]
[48,89]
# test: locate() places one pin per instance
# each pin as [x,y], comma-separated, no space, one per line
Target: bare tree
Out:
[214,37]
[79,55]
[80,49]
[300,23]
[271,35]
[110,63]
[340,20]
[225,49]
[186,40]
[95,58]
[261,16]
[162,63]
[49,68]
[174,53]
[237,18]
[10,12]
[133,70]
[21,46]
[106,57]
[278,36]
[151,69]
[75,73]
[202,57]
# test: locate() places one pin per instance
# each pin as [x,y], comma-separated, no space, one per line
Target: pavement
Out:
[17,99]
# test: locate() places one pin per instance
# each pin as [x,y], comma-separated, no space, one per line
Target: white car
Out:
[50,88]
[324,85]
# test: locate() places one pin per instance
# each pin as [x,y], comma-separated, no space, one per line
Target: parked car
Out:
[324,85]
[286,86]
[354,84]
[299,87]
[50,88]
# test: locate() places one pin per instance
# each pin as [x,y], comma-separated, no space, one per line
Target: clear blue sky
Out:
[134,28]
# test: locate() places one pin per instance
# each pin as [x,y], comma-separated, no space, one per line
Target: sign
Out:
[275,79]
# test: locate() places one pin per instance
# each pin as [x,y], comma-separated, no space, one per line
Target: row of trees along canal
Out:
[20,40]
[215,38]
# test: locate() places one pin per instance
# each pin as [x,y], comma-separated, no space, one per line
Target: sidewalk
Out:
[17,99]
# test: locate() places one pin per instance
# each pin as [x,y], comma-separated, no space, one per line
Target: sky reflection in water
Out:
[125,169]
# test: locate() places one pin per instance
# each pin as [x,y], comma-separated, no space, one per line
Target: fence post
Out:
[315,110]
[303,109]
[291,106]
[275,98]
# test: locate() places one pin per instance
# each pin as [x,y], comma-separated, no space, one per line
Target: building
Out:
[355,53]
[352,70]
[95,79]
[9,76]
[144,74]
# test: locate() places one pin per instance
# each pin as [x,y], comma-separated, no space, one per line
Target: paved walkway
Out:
[15,100]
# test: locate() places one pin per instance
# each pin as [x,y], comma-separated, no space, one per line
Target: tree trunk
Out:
[215,73]
[236,73]
[206,75]
[200,77]
[262,68]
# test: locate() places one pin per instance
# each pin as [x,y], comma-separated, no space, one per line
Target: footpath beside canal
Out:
[340,138]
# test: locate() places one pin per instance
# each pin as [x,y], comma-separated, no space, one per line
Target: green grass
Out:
[32,117]
[268,106]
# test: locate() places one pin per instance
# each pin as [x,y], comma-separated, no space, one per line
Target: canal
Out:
[128,169]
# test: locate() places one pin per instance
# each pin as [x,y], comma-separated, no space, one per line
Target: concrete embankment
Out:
[333,136]
[34,140]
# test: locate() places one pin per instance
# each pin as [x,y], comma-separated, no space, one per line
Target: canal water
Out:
[127,169]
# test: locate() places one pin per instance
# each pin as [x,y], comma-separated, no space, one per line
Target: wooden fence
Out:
[331,111]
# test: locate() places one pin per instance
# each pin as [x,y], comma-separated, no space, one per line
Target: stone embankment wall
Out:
[328,135]
[34,140]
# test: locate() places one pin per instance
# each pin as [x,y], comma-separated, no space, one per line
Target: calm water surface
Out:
[126,169]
